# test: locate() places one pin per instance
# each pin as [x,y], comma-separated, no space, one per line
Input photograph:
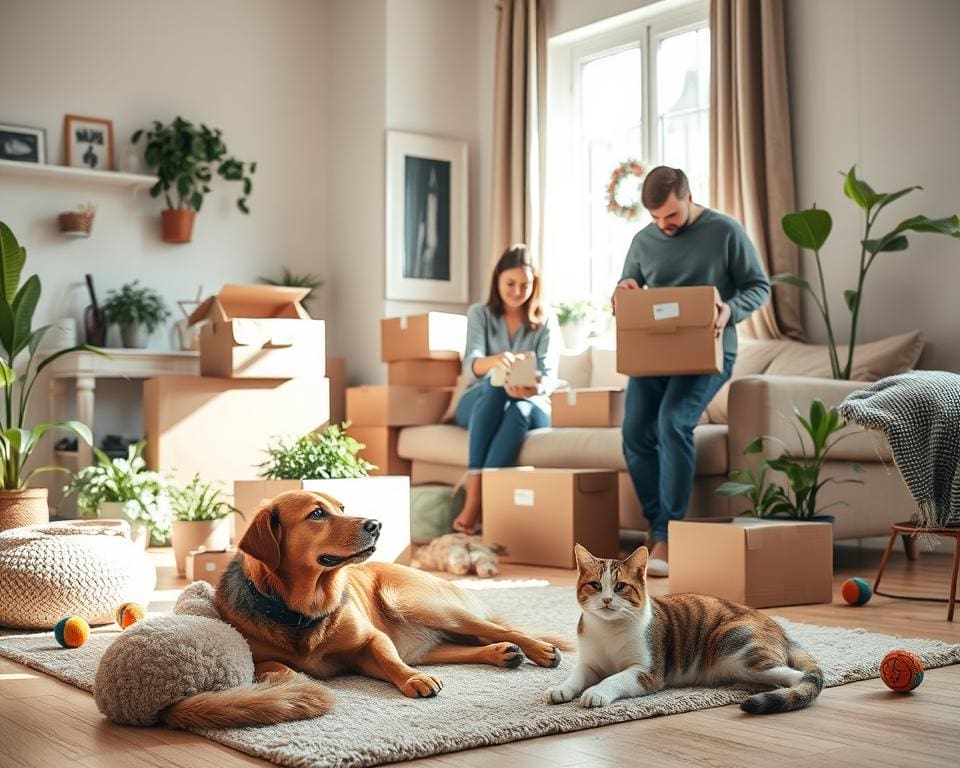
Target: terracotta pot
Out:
[190,535]
[26,507]
[177,225]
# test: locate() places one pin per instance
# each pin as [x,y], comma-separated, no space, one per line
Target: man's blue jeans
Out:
[498,423]
[659,416]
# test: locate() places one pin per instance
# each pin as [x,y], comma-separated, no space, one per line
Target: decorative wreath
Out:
[623,172]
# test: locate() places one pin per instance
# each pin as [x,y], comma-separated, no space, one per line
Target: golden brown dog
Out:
[299,595]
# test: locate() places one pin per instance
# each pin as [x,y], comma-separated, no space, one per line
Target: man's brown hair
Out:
[660,182]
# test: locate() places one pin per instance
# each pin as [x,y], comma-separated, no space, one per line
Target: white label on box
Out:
[523,497]
[666,311]
[209,566]
[403,322]
[571,397]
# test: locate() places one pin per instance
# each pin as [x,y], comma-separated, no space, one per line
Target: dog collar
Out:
[278,611]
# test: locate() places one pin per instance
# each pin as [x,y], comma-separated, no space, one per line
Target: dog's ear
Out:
[262,538]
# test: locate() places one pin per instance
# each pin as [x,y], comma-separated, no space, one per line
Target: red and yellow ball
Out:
[901,671]
[128,614]
[72,631]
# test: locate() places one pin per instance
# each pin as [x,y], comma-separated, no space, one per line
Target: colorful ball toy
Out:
[128,614]
[856,591]
[901,670]
[72,631]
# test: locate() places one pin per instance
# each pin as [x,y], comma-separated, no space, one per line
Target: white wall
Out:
[873,82]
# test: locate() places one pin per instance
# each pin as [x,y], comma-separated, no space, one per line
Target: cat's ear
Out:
[584,558]
[637,562]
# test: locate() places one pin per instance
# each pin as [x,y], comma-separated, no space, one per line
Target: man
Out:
[686,244]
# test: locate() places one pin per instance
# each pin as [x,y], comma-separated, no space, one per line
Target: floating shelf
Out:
[78,175]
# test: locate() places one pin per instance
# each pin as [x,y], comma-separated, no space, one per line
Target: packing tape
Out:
[571,397]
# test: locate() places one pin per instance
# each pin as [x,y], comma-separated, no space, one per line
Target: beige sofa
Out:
[769,380]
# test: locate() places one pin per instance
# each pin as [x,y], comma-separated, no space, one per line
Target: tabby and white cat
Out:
[631,644]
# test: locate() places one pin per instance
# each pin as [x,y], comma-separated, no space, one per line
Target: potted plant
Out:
[20,505]
[799,499]
[139,311]
[293,280]
[578,320]
[185,158]
[201,518]
[329,462]
[125,489]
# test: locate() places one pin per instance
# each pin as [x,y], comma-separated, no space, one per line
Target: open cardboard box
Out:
[429,336]
[587,407]
[259,332]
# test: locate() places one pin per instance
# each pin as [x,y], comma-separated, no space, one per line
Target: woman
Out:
[512,324]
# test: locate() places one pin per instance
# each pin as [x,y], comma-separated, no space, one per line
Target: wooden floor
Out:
[44,722]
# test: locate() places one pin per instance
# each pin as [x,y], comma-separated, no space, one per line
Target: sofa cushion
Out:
[574,367]
[587,448]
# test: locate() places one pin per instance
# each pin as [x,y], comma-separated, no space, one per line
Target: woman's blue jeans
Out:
[498,423]
[659,416]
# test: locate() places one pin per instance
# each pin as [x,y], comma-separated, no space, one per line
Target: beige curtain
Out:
[519,146]
[751,160]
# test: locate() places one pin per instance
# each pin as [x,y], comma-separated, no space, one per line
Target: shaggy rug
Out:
[374,724]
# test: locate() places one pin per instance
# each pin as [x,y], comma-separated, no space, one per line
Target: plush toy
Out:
[72,631]
[901,670]
[856,591]
[128,614]
[459,553]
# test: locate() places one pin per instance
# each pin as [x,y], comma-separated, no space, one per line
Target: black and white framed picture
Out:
[23,144]
[89,142]
[426,218]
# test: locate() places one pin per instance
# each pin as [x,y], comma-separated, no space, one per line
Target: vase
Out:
[191,535]
[134,336]
[27,506]
[575,335]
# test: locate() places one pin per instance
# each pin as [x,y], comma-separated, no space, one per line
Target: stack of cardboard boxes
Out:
[423,354]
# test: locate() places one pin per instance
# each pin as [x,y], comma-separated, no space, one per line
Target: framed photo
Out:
[89,142]
[23,144]
[426,218]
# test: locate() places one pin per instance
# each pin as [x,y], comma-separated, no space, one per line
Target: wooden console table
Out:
[85,368]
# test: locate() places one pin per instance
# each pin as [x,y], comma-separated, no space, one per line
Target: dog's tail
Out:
[563,642]
[278,697]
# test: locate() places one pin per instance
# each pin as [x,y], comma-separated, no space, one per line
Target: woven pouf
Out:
[49,571]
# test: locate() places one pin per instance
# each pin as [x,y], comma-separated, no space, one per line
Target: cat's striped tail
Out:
[799,695]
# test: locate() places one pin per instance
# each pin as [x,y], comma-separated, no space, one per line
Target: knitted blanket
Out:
[919,412]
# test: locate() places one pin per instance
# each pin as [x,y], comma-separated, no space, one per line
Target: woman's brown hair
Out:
[517,256]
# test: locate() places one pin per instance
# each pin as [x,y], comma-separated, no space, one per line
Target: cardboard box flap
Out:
[595,482]
[252,301]
[667,309]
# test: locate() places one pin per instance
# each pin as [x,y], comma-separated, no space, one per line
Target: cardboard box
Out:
[206,565]
[221,427]
[386,499]
[380,448]
[588,407]
[433,335]
[337,373]
[396,406]
[668,331]
[521,373]
[423,373]
[539,514]
[760,563]
[260,332]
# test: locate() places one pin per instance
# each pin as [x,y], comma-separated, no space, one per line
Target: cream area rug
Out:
[374,724]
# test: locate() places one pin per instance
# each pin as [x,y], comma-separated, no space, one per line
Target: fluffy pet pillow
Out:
[460,554]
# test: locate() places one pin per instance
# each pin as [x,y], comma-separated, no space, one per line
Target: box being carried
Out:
[589,407]
[259,332]
[760,563]
[668,331]
[537,515]
[430,336]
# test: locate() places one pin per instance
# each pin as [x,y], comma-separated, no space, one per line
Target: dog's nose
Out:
[372,527]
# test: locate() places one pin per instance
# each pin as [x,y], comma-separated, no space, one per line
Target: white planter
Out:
[575,335]
[114,510]
[190,535]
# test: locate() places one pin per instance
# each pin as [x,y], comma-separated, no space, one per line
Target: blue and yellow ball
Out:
[72,631]
[856,591]
[128,614]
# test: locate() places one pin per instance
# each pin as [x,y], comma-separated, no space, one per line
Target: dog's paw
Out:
[544,655]
[505,655]
[594,697]
[560,695]
[421,686]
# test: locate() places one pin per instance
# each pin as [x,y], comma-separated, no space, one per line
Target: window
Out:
[639,91]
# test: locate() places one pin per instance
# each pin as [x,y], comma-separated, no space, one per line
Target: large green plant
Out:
[136,305]
[331,454]
[17,335]
[810,229]
[186,157]
[799,498]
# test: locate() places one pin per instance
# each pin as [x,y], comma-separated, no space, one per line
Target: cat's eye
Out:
[318,514]
[620,586]
[595,585]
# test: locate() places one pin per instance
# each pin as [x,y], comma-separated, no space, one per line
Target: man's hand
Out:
[624,285]
[723,317]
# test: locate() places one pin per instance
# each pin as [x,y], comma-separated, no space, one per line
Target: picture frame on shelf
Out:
[426,218]
[89,142]
[23,144]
